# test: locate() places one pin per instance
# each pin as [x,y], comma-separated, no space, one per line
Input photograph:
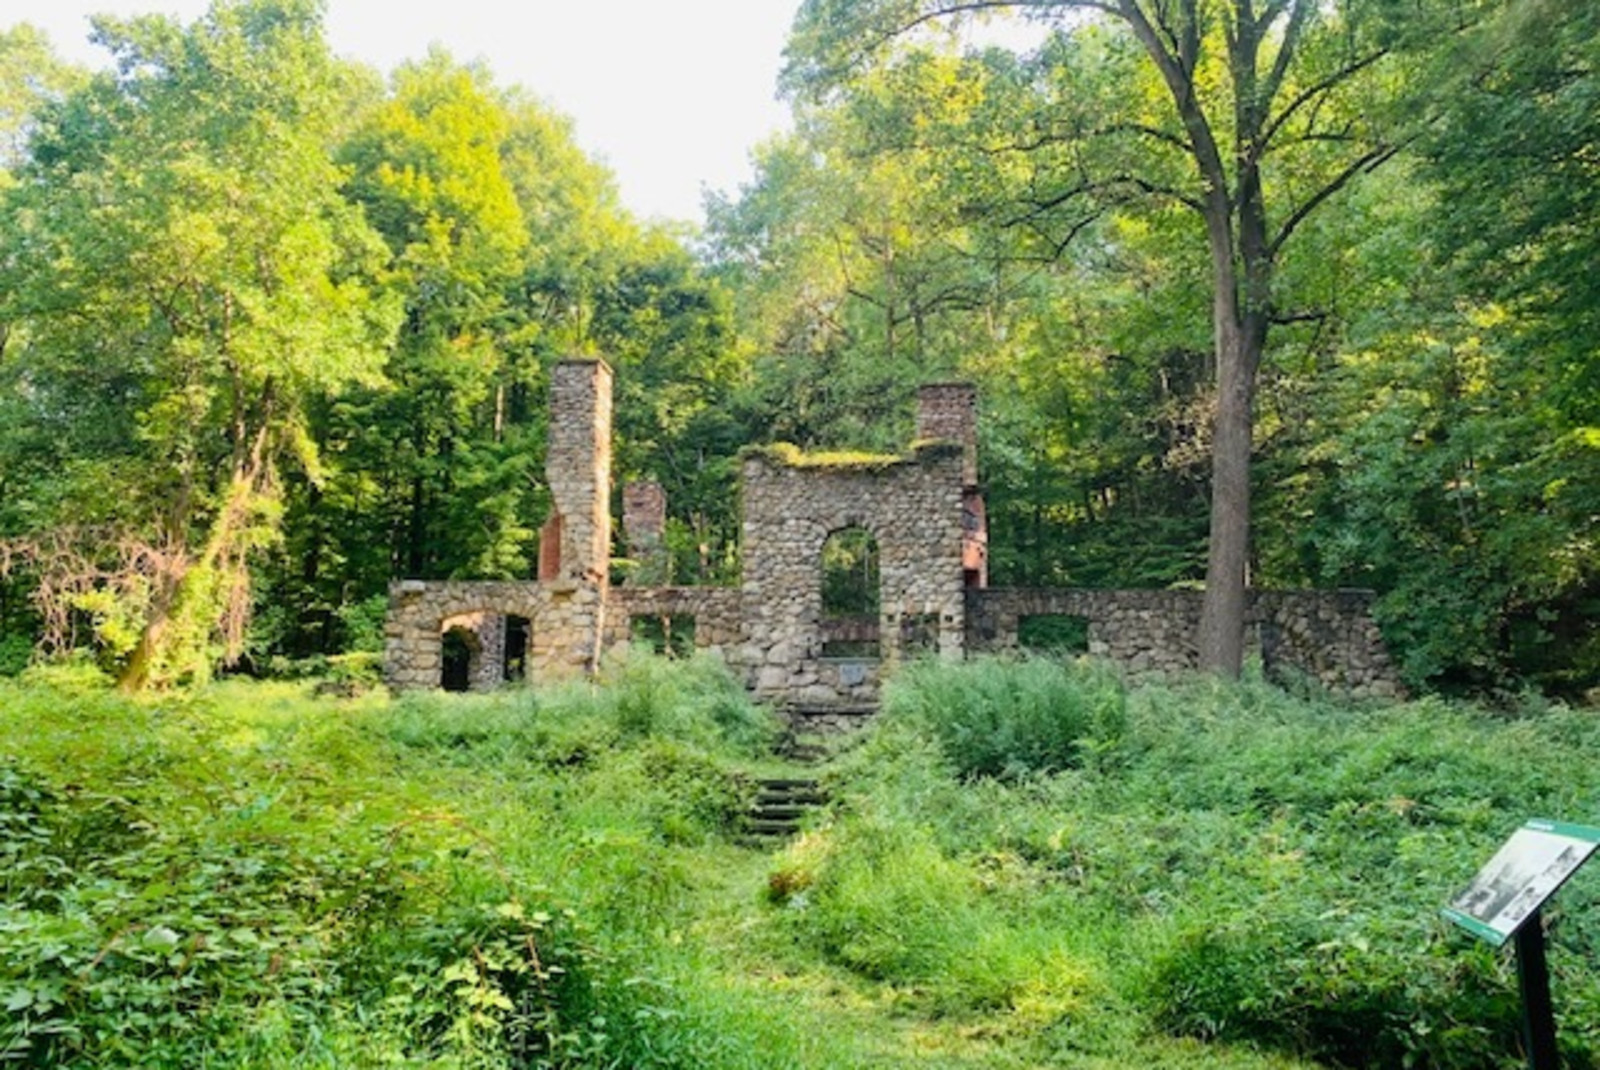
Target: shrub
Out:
[693,700]
[16,651]
[1008,718]
[1349,994]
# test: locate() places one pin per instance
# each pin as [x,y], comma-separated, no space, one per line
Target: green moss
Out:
[793,456]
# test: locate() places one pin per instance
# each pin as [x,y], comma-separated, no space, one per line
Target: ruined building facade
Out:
[913,527]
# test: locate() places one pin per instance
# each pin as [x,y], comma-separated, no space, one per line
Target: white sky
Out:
[671,94]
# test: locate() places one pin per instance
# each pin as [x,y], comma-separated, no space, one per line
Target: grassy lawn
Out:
[1022,865]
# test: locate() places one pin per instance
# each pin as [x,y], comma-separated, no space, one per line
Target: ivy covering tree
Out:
[182,278]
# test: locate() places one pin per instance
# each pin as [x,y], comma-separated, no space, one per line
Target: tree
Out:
[1271,107]
[1519,109]
[31,76]
[186,277]
[857,278]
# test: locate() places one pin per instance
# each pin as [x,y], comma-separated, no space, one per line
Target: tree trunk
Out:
[177,610]
[1222,614]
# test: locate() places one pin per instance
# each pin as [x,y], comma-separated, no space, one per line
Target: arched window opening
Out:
[850,595]
[1058,634]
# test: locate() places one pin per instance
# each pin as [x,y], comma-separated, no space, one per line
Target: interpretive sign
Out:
[1520,877]
[1532,864]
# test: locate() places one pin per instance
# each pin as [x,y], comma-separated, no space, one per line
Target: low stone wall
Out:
[565,623]
[1329,636]
[716,613]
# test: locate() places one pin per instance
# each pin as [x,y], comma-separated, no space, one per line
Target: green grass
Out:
[1025,866]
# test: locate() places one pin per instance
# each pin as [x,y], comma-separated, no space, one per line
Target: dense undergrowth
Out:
[1025,865]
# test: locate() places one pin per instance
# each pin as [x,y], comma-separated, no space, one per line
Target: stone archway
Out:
[460,658]
[849,574]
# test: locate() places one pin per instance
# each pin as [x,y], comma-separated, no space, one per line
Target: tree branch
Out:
[944,11]
[1368,162]
[1316,90]
[1291,41]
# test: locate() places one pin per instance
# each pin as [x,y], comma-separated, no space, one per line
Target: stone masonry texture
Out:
[924,512]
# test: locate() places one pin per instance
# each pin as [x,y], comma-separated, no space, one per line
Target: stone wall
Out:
[912,506]
[716,613]
[926,516]
[577,466]
[421,612]
[948,412]
[1328,636]
[644,529]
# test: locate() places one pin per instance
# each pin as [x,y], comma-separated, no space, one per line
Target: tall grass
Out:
[1241,864]
[246,877]
[1191,876]
[1012,717]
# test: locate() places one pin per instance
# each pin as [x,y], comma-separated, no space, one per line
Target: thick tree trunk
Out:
[1222,615]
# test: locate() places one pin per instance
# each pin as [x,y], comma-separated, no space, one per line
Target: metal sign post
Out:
[1503,902]
[1538,1015]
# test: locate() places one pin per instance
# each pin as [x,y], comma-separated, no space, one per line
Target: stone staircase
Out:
[780,806]
[810,738]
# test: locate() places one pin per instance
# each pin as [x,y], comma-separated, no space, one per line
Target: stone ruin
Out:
[914,535]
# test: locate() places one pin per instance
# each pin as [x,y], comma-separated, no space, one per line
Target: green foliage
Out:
[1011,719]
[205,282]
[881,899]
[246,878]
[15,653]
[692,701]
[363,623]
[1258,868]
[1517,107]
[850,574]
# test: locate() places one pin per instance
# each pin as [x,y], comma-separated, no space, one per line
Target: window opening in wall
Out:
[671,634]
[850,595]
[1053,633]
[919,634]
[459,650]
[519,630]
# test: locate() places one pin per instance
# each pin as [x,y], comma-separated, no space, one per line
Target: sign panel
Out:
[1532,864]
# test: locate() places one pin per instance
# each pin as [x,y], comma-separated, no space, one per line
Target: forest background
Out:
[274,328]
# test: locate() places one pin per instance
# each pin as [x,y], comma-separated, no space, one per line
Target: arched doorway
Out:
[459,655]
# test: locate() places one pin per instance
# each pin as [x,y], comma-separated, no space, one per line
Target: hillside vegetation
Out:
[1024,864]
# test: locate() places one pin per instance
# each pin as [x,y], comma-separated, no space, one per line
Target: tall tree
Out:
[1252,114]
[186,277]
[1519,109]
[31,76]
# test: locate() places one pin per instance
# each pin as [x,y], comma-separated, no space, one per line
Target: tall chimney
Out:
[948,412]
[578,469]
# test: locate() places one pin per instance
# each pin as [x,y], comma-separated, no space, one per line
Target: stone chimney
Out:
[575,544]
[948,412]
[644,522]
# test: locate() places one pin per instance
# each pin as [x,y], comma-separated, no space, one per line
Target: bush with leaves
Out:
[1009,718]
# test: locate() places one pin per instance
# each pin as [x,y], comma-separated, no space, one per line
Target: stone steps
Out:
[813,729]
[781,805]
